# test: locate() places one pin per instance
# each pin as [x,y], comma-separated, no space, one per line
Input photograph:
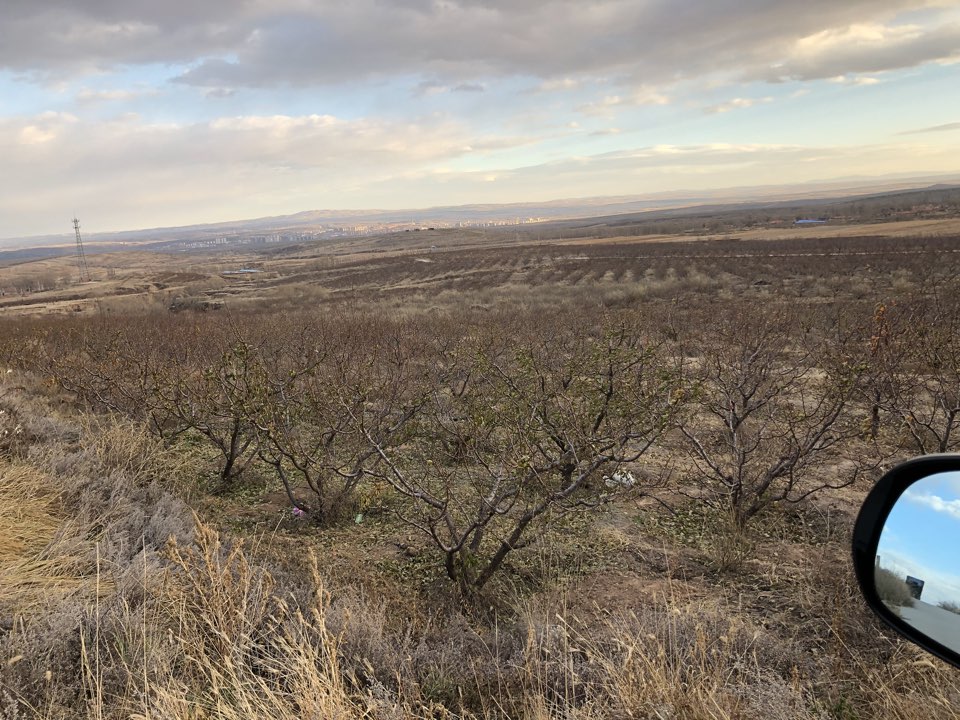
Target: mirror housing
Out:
[870,524]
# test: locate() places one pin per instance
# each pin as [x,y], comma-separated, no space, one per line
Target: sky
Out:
[921,537]
[138,113]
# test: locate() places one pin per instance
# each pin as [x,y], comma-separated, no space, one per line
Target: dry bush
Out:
[950,606]
[892,589]
[246,652]
[75,556]
[515,436]
[771,426]
[28,418]
[329,399]
[210,628]
[215,401]
[203,627]
[671,659]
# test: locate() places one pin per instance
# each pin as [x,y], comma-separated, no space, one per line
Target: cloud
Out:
[939,585]
[858,80]
[608,105]
[437,87]
[219,93]
[561,43]
[40,130]
[66,37]
[934,128]
[735,104]
[935,503]
[89,96]
[429,87]
[136,171]
[555,84]
[864,47]
[133,171]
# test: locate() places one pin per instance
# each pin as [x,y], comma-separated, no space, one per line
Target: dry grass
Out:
[42,554]
[212,634]
[640,614]
[637,613]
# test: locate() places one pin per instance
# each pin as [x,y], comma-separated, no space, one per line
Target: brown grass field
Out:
[139,579]
[416,269]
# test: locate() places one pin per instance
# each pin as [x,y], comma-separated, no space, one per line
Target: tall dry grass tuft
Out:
[246,651]
[42,554]
[673,659]
[81,519]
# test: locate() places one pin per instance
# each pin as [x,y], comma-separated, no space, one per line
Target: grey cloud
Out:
[547,38]
[220,93]
[308,42]
[429,87]
[843,56]
[60,37]
[435,87]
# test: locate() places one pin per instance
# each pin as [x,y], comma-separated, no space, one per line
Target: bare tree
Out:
[519,436]
[921,382]
[770,422]
[108,365]
[886,344]
[215,401]
[320,416]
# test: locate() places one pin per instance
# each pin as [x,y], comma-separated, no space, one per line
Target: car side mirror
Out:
[906,552]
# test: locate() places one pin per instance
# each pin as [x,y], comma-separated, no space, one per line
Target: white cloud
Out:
[607,106]
[554,84]
[133,173]
[33,135]
[935,503]
[945,127]
[134,170]
[88,95]
[860,80]
[42,129]
[736,104]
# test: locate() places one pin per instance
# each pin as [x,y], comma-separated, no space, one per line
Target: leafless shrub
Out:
[327,407]
[770,419]
[523,435]
[892,589]
[950,606]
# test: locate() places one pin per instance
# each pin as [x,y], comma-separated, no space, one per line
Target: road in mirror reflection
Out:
[918,558]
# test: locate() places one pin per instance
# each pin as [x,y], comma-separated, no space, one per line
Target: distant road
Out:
[935,622]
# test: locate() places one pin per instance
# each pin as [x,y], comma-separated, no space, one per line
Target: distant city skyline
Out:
[135,114]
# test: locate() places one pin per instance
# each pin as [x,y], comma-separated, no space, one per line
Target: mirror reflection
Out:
[918,565]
